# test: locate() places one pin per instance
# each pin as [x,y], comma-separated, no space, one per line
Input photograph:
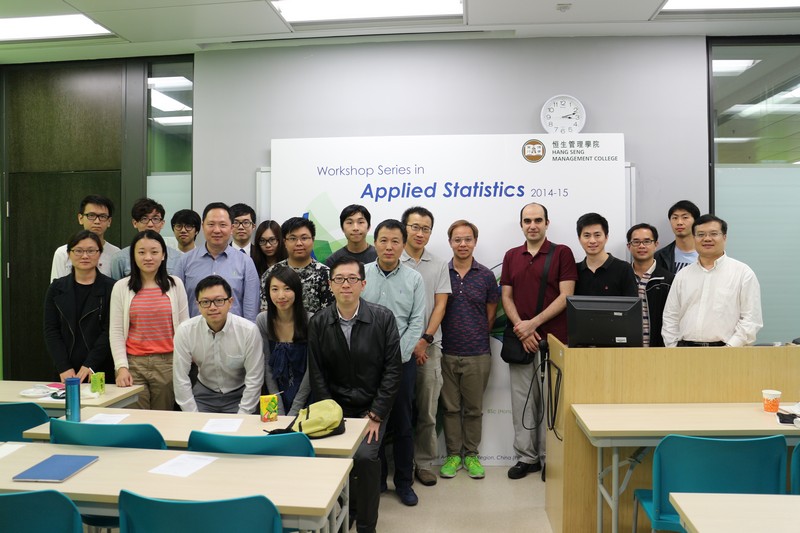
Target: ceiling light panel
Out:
[729,5]
[54,27]
[331,10]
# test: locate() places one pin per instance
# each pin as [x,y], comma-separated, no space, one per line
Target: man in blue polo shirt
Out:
[466,361]
[217,257]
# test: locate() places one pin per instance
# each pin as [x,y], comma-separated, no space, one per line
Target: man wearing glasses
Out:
[652,280]
[244,222]
[220,259]
[94,214]
[227,351]
[354,358]
[298,234]
[185,225]
[146,214]
[715,301]
[428,350]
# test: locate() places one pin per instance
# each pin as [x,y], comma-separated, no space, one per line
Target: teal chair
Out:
[700,464]
[286,444]
[18,417]
[41,511]
[138,514]
[795,470]
[112,435]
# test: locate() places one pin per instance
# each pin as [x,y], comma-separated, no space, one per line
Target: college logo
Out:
[533,151]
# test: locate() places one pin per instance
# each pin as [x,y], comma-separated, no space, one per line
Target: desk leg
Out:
[615,489]
[600,503]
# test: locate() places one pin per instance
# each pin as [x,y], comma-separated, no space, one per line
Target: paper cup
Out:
[772,400]
[269,408]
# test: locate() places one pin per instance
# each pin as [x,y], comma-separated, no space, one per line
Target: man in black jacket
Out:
[653,280]
[680,252]
[354,358]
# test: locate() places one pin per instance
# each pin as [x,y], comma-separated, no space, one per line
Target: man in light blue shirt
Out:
[145,214]
[402,290]
[217,257]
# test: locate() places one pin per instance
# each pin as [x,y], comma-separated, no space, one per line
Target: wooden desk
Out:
[176,426]
[644,425]
[114,396]
[303,489]
[737,513]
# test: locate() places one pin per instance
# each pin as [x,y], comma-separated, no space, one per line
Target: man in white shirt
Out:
[227,350]
[244,222]
[94,215]
[715,301]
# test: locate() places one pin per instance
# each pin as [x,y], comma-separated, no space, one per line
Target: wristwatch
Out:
[428,338]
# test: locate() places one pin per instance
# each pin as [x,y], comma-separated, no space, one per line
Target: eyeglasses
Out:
[712,234]
[416,228]
[242,223]
[272,241]
[218,302]
[304,239]
[80,251]
[465,240]
[94,216]
[181,227]
[339,280]
[155,220]
[636,243]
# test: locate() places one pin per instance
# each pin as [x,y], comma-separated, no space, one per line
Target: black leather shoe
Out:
[520,470]
[407,496]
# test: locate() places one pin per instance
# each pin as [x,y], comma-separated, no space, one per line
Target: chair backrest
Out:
[41,511]
[114,435]
[17,417]
[138,514]
[701,464]
[287,444]
[794,468]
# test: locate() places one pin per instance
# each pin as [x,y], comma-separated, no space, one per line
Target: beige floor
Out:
[464,504]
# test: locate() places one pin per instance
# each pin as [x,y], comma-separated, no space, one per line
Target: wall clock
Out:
[563,114]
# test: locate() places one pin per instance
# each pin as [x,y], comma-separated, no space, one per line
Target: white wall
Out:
[653,90]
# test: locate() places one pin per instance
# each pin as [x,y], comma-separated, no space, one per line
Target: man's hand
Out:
[420,352]
[124,378]
[526,332]
[83,373]
[67,374]
[373,431]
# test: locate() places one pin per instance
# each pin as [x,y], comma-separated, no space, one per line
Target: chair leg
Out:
[635,514]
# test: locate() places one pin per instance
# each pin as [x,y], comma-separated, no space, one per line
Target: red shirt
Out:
[523,273]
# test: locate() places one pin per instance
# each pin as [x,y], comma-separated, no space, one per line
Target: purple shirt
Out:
[523,273]
[465,327]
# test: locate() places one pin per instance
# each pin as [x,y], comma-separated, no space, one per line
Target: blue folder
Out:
[56,468]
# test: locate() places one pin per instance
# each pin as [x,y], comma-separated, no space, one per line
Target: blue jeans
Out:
[399,425]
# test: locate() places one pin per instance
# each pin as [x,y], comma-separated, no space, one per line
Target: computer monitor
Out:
[604,321]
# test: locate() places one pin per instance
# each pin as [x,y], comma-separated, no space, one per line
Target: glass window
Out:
[755,90]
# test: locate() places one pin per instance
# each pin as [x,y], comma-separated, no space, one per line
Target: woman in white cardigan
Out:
[146,309]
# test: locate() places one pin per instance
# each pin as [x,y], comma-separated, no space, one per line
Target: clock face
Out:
[563,114]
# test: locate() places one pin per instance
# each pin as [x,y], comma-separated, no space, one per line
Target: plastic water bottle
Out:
[73,399]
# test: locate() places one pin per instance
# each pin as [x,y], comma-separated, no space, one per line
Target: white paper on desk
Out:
[101,418]
[222,425]
[184,465]
[8,448]
[795,409]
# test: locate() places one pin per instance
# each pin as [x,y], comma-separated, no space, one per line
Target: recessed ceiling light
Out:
[732,67]
[169,83]
[54,27]
[329,10]
[728,5]
[734,140]
[174,121]
[166,103]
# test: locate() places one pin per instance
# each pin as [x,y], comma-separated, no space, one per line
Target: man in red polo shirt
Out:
[523,269]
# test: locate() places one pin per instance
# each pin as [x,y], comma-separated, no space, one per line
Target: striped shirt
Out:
[151,330]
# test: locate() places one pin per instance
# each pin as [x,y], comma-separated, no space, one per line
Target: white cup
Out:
[771,399]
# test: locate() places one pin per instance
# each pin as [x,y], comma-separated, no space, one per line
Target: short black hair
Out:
[416,210]
[238,210]
[705,219]
[97,200]
[84,234]
[590,219]
[546,216]
[144,206]
[685,205]
[643,225]
[351,210]
[217,205]
[391,223]
[295,223]
[188,218]
[212,281]
[349,260]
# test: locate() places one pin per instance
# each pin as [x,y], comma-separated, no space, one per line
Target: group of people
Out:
[388,330]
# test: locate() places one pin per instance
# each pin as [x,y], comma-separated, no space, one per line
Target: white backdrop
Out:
[485,179]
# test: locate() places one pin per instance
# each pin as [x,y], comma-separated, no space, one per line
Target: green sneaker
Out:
[450,466]
[474,467]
